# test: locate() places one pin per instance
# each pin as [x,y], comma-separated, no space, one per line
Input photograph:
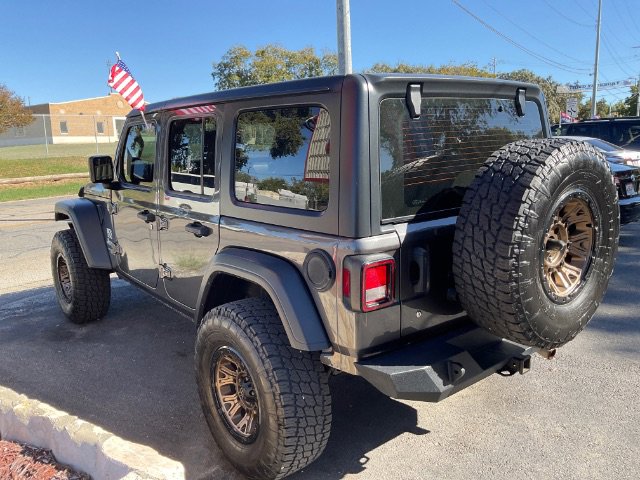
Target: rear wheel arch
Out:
[236,274]
[226,288]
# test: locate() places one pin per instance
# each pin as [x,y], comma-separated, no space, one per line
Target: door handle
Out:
[147,216]
[198,229]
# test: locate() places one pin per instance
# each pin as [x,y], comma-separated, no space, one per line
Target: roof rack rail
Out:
[610,119]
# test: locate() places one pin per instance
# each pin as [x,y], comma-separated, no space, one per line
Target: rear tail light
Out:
[377,284]
[346,282]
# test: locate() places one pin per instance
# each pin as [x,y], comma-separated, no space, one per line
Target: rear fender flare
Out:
[284,285]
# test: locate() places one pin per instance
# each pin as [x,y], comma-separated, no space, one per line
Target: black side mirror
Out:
[101,169]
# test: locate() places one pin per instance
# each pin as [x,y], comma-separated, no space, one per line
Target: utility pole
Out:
[595,65]
[638,97]
[494,62]
[344,37]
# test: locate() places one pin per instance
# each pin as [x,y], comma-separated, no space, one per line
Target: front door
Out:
[134,218]
[188,209]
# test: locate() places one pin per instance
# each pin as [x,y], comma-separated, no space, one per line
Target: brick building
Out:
[92,120]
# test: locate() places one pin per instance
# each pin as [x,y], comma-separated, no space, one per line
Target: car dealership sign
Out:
[577,88]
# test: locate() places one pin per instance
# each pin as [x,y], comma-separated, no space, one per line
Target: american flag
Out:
[566,118]
[121,80]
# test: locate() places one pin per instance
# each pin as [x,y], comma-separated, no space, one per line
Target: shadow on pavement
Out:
[621,303]
[132,374]
[363,419]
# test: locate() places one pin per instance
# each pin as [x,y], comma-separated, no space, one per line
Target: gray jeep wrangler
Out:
[419,231]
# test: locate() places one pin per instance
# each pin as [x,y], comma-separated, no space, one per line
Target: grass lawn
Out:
[33,160]
[34,167]
[40,189]
[57,150]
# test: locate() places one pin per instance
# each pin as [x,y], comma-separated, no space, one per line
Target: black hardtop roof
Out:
[330,83]
[609,119]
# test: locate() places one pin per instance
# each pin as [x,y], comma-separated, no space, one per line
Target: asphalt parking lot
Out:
[574,417]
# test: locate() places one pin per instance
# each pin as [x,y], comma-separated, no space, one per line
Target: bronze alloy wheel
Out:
[65,279]
[568,247]
[235,394]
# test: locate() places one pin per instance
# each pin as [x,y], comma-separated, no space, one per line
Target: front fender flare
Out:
[284,284]
[88,222]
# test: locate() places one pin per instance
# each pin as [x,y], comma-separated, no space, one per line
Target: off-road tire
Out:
[83,293]
[501,249]
[292,390]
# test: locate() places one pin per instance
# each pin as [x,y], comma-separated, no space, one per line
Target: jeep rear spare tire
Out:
[536,240]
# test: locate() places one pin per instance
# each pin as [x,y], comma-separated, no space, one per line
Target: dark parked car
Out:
[621,131]
[612,153]
[626,175]
[421,232]
[627,180]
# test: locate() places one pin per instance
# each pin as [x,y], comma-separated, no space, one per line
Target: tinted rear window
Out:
[427,163]
[596,130]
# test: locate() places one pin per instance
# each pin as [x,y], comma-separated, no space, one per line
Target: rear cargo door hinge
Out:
[112,208]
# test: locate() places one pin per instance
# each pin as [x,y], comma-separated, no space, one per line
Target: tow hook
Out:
[548,354]
[515,365]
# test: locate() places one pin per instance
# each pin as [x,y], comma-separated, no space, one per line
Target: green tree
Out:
[630,103]
[12,110]
[556,102]
[468,69]
[602,109]
[240,67]
[619,108]
[273,184]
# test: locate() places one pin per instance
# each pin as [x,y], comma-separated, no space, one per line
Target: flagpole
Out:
[143,118]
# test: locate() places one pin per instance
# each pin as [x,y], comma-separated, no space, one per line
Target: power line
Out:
[614,34]
[622,20]
[547,60]
[631,16]
[613,56]
[579,4]
[532,35]
[569,19]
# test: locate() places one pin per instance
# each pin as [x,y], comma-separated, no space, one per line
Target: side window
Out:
[139,154]
[586,130]
[282,157]
[192,146]
[626,134]
[634,137]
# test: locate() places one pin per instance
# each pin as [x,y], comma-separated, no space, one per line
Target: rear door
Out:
[426,164]
[188,209]
[134,214]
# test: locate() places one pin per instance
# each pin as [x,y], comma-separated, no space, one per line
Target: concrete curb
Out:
[42,178]
[80,444]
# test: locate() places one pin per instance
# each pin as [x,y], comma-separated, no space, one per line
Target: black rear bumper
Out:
[433,369]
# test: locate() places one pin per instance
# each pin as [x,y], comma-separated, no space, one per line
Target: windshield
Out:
[427,163]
